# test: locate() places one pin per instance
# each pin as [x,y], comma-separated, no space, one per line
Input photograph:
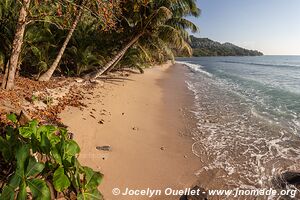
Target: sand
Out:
[141,118]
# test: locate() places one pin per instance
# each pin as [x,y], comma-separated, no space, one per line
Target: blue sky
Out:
[271,26]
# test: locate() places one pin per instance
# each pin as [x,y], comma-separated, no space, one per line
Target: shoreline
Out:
[142,120]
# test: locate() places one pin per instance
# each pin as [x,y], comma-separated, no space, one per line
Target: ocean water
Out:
[248,113]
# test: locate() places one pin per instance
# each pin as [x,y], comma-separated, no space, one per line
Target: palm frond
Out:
[182,23]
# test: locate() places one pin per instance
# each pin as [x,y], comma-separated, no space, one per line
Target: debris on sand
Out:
[104,148]
[135,128]
[43,100]
[101,121]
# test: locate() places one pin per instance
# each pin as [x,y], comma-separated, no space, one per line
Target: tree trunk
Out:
[5,75]
[9,77]
[117,58]
[113,66]
[48,74]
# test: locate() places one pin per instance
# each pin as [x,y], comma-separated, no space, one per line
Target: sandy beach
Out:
[141,118]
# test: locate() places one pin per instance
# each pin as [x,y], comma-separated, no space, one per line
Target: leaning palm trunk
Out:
[48,74]
[114,61]
[10,72]
[111,67]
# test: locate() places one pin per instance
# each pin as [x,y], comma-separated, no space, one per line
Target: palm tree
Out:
[9,77]
[103,10]
[47,75]
[147,32]
[39,48]
[39,10]
[83,54]
[7,16]
[162,20]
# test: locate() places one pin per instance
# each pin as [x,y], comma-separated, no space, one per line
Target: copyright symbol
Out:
[116,191]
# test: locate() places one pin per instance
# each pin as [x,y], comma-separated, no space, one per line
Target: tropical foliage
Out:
[207,47]
[76,37]
[151,31]
[40,162]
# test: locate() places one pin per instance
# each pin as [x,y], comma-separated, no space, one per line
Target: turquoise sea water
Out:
[248,109]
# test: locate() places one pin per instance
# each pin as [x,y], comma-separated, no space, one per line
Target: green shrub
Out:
[40,162]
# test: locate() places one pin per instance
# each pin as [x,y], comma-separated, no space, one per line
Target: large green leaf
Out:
[48,129]
[60,180]
[12,117]
[10,134]
[14,182]
[63,132]
[25,131]
[71,148]
[8,193]
[34,126]
[39,189]
[22,195]
[5,149]
[35,144]
[45,143]
[75,179]
[21,156]
[30,128]
[33,167]
[56,155]
[54,140]
[90,195]
[92,178]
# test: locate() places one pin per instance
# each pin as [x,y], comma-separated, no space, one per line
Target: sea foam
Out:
[234,140]
[195,68]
